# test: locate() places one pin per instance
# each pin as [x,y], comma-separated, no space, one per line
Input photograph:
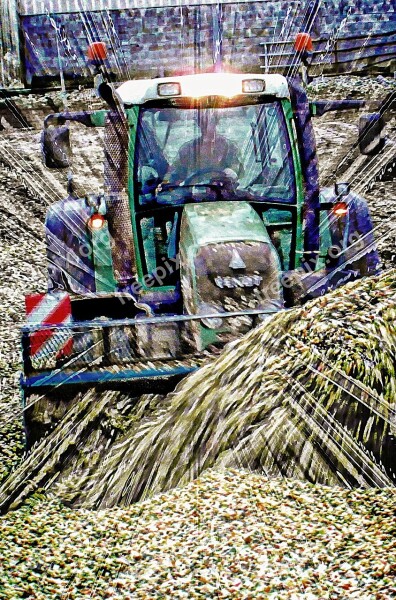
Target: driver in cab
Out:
[207,157]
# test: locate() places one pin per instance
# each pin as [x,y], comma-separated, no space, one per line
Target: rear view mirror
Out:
[167,116]
[342,189]
[371,128]
[55,146]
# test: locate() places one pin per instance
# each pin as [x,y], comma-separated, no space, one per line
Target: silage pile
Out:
[228,535]
[310,394]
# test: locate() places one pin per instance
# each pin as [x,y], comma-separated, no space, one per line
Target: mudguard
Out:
[69,248]
[352,234]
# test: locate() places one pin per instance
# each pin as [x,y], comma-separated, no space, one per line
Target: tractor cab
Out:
[195,146]
[229,152]
[213,139]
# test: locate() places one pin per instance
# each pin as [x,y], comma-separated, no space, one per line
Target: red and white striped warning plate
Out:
[49,344]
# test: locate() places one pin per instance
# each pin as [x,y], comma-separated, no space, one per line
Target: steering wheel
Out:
[201,172]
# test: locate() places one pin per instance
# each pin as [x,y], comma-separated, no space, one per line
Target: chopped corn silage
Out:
[310,394]
[226,535]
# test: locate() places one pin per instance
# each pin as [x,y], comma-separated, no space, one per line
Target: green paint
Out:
[98,118]
[132,117]
[216,222]
[288,112]
[208,336]
[102,259]
[275,216]
[325,238]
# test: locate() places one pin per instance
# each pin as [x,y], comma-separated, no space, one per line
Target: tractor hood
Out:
[216,222]
[227,263]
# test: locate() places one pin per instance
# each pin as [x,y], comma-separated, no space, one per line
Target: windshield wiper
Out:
[253,127]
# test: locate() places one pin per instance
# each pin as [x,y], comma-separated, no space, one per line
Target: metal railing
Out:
[352,54]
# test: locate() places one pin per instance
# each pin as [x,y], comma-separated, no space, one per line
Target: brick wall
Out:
[150,41]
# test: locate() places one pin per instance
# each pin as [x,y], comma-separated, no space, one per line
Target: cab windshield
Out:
[191,155]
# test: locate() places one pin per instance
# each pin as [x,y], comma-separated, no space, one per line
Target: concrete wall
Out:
[147,40]
[9,42]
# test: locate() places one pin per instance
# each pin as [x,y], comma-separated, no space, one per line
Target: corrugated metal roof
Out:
[38,7]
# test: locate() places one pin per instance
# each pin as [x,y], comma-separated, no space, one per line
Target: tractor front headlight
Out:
[253,86]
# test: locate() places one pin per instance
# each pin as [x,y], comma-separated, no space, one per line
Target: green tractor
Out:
[211,219]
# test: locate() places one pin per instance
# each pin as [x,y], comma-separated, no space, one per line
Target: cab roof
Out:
[140,91]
